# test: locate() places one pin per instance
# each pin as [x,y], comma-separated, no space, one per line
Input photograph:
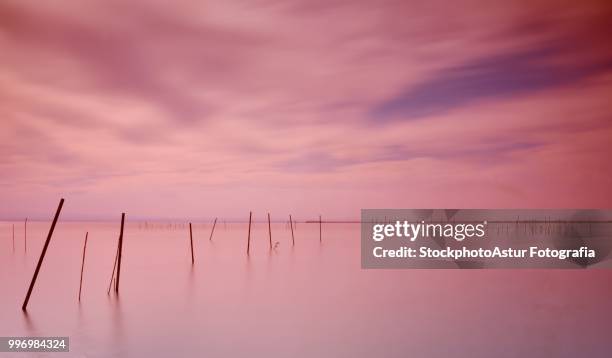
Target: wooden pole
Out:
[42,255]
[213,230]
[113,274]
[291,224]
[320,236]
[191,240]
[25,235]
[270,231]
[83,265]
[249,237]
[120,252]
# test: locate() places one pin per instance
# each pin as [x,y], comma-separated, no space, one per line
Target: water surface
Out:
[307,300]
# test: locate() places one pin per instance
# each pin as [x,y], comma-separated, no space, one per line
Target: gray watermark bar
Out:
[34,344]
[485,238]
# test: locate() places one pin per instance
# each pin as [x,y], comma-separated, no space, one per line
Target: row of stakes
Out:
[116,274]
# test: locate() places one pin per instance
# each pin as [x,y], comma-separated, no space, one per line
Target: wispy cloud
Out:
[493,77]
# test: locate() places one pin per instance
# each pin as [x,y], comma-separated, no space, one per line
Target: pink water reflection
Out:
[309,300]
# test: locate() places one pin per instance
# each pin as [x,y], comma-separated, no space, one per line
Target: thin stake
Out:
[83,265]
[113,274]
[291,224]
[42,255]
[320,236]
[191,240]
[25,235]
[270,231]
[120,251]
[249,237]
[213,230]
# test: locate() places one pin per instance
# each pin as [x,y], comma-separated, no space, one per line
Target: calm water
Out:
[311,300]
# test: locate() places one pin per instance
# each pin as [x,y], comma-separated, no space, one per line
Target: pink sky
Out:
[194,109]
